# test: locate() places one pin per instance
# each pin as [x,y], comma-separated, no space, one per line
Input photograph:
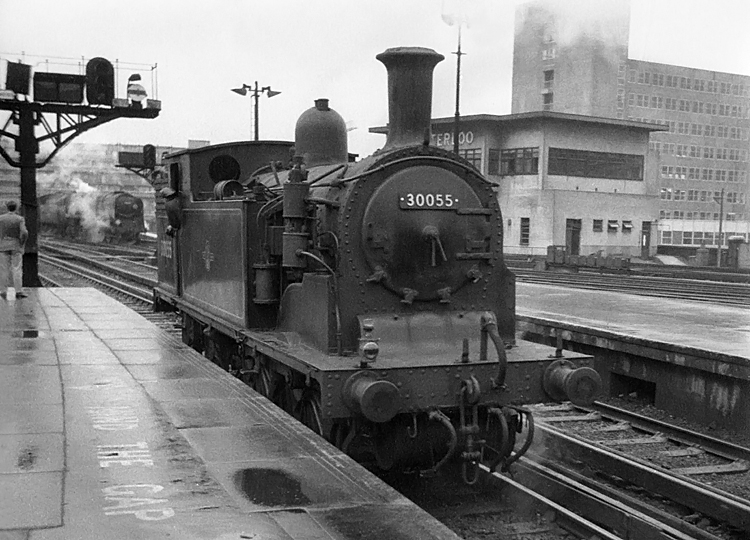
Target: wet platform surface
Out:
[722,330]
[112,428]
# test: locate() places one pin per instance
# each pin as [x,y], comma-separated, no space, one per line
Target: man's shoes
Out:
[21,295]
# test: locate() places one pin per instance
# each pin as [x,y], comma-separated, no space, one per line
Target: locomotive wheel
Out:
[261,381]
[308,412]
[283,396]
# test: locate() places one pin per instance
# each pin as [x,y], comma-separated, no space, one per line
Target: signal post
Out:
[58,107]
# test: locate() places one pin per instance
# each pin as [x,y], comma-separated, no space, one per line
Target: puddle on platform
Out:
[270,487]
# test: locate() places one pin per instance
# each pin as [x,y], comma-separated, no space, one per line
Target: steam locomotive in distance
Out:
[93,216]
[368,299]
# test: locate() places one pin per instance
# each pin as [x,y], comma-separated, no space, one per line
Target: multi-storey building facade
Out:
[702,157]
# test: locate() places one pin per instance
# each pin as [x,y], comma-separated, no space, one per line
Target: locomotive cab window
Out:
[175,176]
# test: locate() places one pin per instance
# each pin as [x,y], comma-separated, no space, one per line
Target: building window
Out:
[547,100]
[525,231]
[549,78]
[627,226]
[567,162]
[598,225]
[613,225]
[519,161]
[473,156]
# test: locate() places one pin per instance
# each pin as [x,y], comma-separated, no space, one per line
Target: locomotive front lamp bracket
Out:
[368,345]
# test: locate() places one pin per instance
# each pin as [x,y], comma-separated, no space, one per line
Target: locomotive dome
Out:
[320,136]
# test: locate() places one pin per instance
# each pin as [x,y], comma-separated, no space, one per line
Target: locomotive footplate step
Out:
[113,428]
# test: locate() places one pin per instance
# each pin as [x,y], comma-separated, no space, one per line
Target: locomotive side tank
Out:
[370,299]
[93,216]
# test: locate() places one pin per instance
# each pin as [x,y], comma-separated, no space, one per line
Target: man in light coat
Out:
[13,234]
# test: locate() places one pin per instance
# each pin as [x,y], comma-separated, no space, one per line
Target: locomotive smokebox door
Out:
[418,228]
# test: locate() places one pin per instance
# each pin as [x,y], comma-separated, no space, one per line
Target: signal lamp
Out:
[100,82]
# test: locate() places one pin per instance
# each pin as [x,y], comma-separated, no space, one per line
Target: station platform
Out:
[723,331]
[112,428]
[689,358]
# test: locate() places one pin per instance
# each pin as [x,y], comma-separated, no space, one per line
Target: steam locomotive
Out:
[92,216]
[368,299]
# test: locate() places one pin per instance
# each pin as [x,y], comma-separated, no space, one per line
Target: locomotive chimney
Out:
[409,93]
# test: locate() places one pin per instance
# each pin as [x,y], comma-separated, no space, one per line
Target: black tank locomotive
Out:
[370,299]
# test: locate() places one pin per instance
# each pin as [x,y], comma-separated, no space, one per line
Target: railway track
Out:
[695,478]
[734,294]
[117,279]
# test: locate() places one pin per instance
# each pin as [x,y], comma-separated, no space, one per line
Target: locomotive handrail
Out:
[338,183]
[344,166]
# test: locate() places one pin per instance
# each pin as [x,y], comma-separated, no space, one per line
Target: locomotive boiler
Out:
[368,299]
[93,216]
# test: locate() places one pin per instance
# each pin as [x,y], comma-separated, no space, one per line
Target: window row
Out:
[707,175]
[706,130]
[613,226]
[685,105]
[699,152]
[686,83]
[695,195]
[514,161]
[568,162]
[695,238]
[700,216]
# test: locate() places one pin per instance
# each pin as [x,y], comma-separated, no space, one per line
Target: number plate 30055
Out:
[427,201]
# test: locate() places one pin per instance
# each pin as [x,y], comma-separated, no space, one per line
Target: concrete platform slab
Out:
[114,429]
[31,501]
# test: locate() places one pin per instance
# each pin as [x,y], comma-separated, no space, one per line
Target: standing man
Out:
[13,236]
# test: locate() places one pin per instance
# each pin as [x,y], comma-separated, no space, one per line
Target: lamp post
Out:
[721,222]
[255,92]
[457,117]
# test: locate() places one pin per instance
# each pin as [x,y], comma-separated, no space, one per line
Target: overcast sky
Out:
[309,49]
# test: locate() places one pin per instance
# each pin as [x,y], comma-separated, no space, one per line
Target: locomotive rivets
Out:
[338,377]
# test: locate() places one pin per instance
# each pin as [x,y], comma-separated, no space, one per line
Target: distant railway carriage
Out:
[93,216]
[371,299]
